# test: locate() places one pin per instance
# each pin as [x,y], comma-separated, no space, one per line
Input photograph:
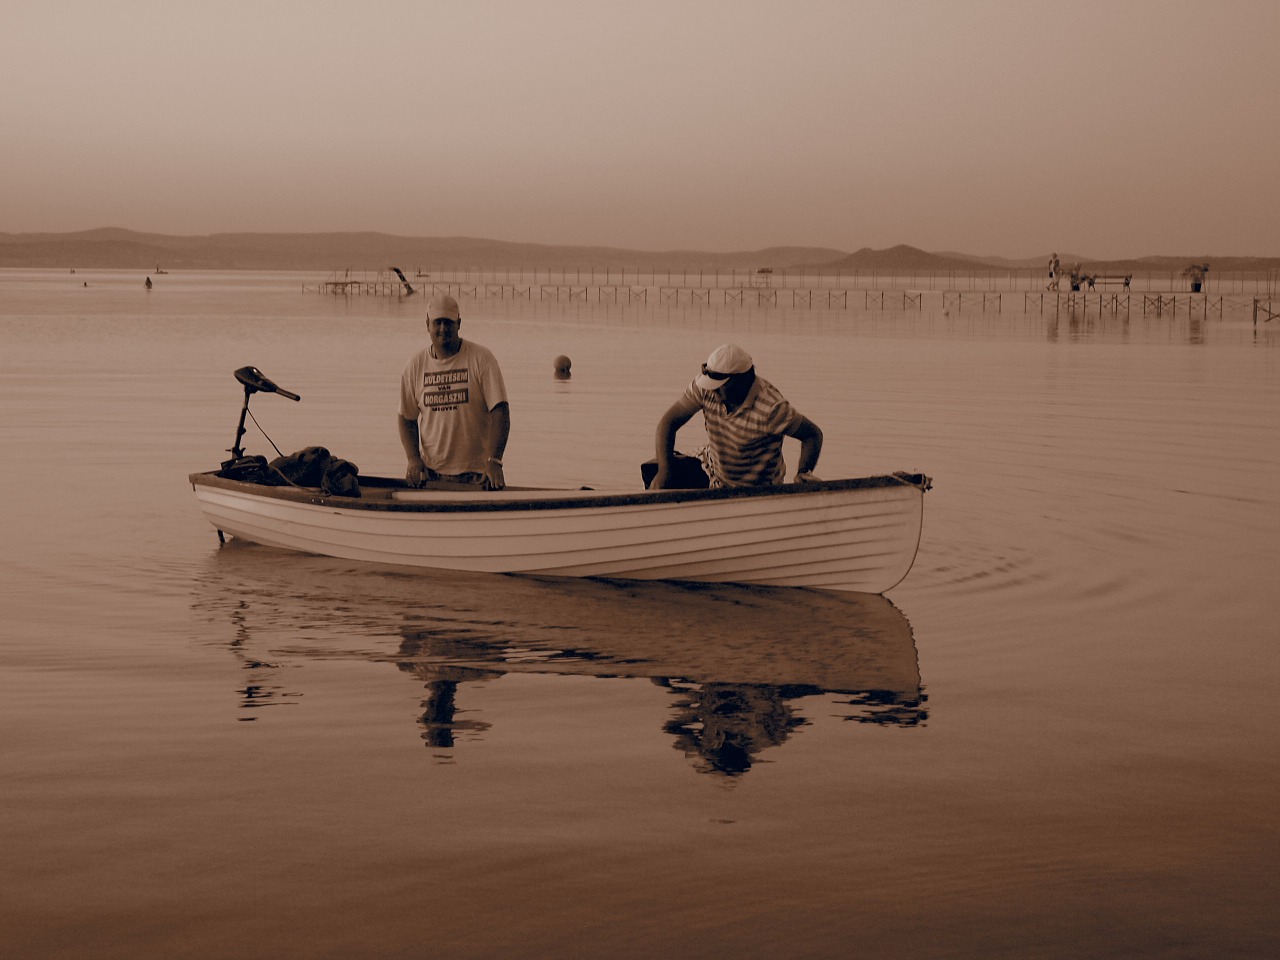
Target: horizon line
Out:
[639,250]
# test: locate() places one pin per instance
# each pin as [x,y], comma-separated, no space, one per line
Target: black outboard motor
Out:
[254,381]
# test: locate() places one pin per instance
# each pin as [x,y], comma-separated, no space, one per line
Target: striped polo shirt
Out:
[745,445]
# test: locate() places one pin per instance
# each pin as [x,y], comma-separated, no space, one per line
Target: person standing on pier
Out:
[454,415]
[746,418]
[1054,268]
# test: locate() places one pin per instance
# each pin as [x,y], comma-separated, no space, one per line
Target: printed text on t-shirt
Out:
[445,389]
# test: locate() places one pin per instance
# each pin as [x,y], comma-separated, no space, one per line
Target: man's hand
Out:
[665,439]
[493,478]
[416,474]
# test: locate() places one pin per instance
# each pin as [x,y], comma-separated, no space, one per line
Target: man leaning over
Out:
[746,418]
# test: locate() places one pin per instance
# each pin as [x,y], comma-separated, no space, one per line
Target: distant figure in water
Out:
[148,283]
[1055,268]
[563,367]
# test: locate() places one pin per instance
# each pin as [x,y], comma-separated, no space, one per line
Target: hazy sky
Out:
[1108,128]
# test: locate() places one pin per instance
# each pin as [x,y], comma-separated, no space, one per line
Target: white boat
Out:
[859,534]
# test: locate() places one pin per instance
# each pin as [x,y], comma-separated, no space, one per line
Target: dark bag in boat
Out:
[250,470]
[316,467]
[304,467]
[686,473]
[340,479]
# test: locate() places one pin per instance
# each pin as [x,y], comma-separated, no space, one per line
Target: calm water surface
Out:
[1055,739]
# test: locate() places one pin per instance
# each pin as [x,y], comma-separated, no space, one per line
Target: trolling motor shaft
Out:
[254,381]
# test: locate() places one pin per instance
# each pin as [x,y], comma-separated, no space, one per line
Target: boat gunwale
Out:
[572,499]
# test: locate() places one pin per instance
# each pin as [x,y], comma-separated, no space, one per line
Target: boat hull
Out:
[859,535]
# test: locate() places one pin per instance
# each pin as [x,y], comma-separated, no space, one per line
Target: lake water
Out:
[1056,738]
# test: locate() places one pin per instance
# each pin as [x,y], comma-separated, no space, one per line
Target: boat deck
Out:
[389,494]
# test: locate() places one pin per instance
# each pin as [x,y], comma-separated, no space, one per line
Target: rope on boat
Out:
[925,483]
[263,432]
[278,473]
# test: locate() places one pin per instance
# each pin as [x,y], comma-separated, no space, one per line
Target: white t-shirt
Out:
[451,400]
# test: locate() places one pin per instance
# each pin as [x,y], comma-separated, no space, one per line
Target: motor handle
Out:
[255,381]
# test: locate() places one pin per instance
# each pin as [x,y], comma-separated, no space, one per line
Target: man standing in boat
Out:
[454,416]
[746,418]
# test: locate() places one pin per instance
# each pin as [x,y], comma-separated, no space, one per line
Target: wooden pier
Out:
[761,296]
[958,298]
[1190,301]
[703,291]
[384,283]
[1164,304]
[1072,300]
[1265,307]
[881,299]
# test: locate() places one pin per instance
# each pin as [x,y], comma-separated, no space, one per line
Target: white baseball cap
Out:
[724,361]
[443,305]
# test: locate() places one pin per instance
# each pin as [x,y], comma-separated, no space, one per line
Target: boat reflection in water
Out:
[734,658]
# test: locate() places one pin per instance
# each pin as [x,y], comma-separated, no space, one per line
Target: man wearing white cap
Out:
[454,416]
[746,418]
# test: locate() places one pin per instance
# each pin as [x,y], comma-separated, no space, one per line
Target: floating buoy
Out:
[561,365]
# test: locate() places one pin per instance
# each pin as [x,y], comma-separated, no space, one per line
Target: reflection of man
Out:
[454,417]
[439,718]
[746,418]
[727,724]
[441,681]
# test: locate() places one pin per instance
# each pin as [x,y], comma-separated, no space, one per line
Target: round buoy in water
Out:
[562,365]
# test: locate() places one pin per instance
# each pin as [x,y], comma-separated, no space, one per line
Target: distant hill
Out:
[901,257]
[116,248]
[1134,265]
[1006,263]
